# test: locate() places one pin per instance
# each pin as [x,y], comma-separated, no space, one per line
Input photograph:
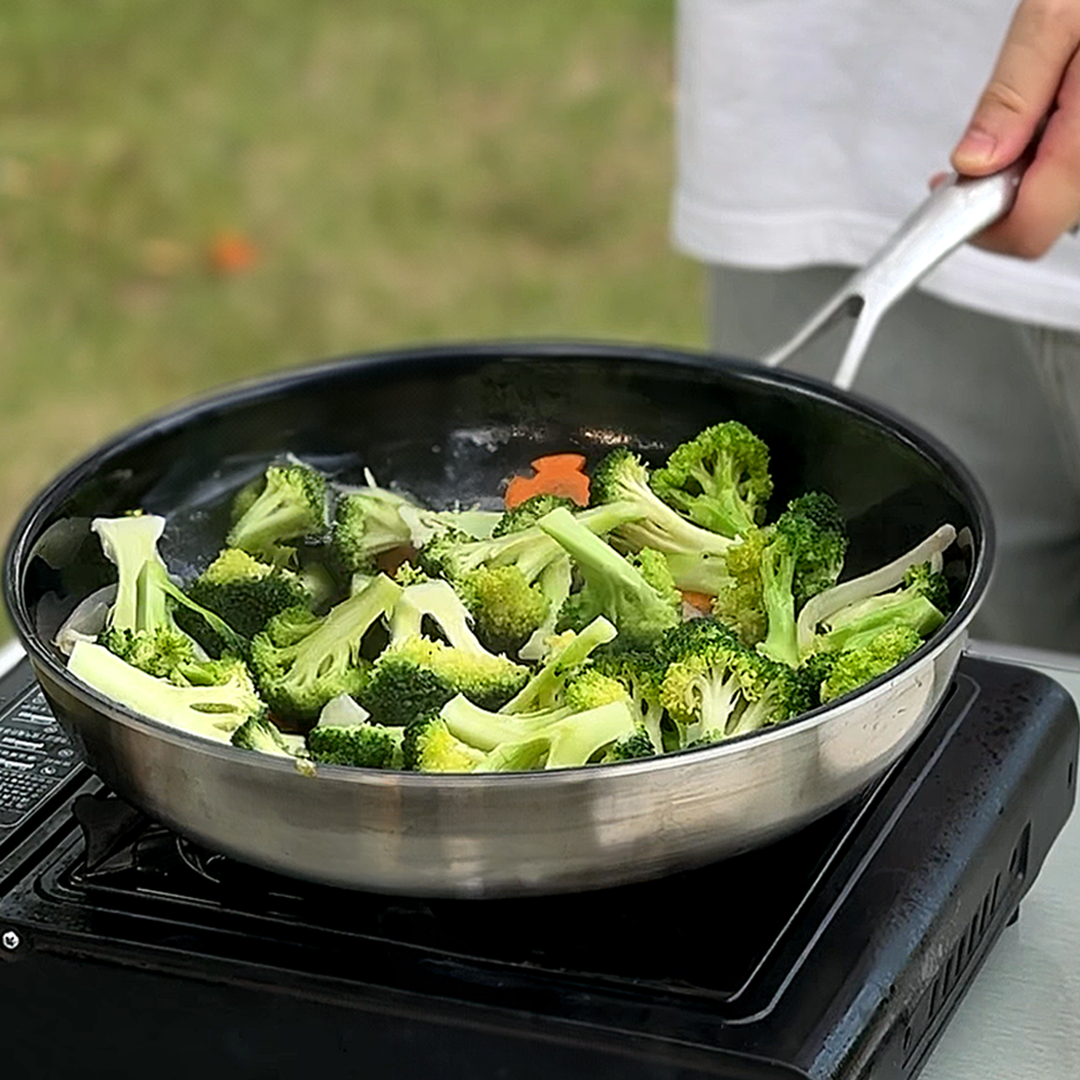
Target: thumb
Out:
[1021,90]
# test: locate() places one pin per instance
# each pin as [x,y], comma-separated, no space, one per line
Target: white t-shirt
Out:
[808,130]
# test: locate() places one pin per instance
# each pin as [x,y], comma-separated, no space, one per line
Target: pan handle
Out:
[955,211]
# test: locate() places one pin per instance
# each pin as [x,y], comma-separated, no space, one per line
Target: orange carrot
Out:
[698,600]
[555,474]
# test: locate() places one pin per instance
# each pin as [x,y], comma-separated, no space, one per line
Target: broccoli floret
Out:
[819,609]
[291,506]
[705,573]
[527,513]
[362,746]
[141,626]
[212,711]
[507,608]
[515,583]
[911,605]
[302,660]
[640,599]
[259,733]
[569,651]
[575,740]
[415,676]
[367,523]
[812,673]
[590,688]
[719,480]
[857,667]
[641,673]
[715,687]
[435,600]
[740,601]
[485,730]
[554,583]
[802,553]
[554,739]
[630,748]
[454,555]
[245,592]
[620,480]
[158,651]
[709,678]
[428,746]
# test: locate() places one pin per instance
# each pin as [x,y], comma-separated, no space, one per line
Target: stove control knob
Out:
[11,940]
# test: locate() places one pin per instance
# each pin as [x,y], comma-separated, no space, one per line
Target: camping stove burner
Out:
[840,952]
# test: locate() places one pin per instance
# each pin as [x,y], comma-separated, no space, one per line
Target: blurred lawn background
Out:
[196,193]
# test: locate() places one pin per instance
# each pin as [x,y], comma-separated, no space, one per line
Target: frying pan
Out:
[450,423]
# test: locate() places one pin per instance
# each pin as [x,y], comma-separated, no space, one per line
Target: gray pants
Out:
[1005,398]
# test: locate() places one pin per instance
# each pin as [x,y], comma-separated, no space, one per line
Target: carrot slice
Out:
[554,474]
[698,600]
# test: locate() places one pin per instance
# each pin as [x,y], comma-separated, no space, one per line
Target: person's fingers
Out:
[1048,199]
[1040,42]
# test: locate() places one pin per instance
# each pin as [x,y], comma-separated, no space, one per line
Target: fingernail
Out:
[976,147]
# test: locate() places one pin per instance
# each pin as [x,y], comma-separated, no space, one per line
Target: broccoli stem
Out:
[541,688]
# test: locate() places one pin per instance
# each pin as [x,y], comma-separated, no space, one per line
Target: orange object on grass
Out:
[232,253]
[554,474]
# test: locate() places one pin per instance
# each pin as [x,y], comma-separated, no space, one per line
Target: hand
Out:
[1037,77]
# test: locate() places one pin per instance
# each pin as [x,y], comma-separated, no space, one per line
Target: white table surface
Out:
[1020,1020]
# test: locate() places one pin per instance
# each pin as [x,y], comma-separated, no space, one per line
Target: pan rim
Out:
[470,353]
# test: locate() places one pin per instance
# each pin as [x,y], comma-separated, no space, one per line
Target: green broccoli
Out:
[367,523]
[415,676]
[921,603]
[433,600]
[508,609]
[641,600]
[739,602]
[715,687]
[620,482]
[821,608]
[428,746]
[212,711]
[363,745]
[554,738]
[631,747]
[528,512]
[641,673]
[571,741]
[245,592]
[800,554]
[260,733]
[719,479]
[812,673]
[857,667]
[291,506]
[554,583]
[141,625]
[301,660]
[547,685]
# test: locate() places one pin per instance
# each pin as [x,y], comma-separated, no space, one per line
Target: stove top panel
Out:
[840,951]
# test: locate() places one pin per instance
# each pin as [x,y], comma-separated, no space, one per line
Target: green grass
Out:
[413,171]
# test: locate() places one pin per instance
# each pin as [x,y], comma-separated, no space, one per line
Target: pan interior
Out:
[450,425]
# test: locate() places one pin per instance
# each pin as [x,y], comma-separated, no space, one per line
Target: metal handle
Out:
[958,209]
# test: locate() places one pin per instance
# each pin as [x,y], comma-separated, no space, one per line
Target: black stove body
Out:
[840,952]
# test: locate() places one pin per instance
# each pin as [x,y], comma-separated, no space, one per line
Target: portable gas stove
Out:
[839,952]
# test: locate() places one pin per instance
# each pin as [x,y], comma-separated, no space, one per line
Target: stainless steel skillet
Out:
[452,422]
